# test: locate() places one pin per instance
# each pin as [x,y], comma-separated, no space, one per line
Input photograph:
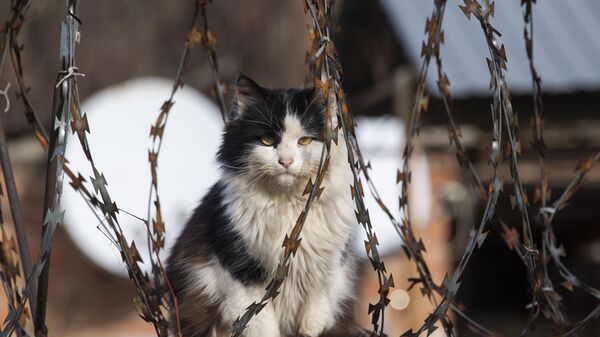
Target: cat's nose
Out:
[286,162]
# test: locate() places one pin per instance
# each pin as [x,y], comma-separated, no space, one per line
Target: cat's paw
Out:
[312,327]
[314,322]
[262,328]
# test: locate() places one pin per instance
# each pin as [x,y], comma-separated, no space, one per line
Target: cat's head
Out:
[273,135]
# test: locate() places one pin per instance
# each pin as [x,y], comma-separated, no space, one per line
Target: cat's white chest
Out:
[263,223]
[317,270]
[326,231]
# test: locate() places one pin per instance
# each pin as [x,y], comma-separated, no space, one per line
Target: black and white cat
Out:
[231,245]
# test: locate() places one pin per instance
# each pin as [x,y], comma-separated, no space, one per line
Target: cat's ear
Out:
[313,94]
[246,92]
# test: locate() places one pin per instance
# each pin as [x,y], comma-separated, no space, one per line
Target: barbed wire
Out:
[156,231]
[53,213]
[11,252]
[61,108]
[556,310]
[501,106]
[545,299]
[150,301]
[411,246]
[209,43]
[414,247]
[542,193]
[292,242]
[19,7]
[326,76]
[10,270]
[501,110]
[478,234]
[9,45]
[538,143]
[152,304]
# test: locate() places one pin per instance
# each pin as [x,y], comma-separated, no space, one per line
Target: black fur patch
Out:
[261,111]
[208,233]
[227,244]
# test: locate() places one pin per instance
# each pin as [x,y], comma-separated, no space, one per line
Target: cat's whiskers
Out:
[233,167]
[257,122]
[264,117]
[255,178]
[304,115]
[254,171]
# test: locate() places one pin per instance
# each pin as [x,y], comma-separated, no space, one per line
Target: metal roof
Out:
[566,44]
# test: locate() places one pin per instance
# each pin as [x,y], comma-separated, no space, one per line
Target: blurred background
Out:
[379,44]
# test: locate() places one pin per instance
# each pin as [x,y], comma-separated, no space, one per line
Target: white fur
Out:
[234,298]
[263,207]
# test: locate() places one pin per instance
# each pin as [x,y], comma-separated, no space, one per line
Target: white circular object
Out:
[399,299]
[382,141]
[120,118]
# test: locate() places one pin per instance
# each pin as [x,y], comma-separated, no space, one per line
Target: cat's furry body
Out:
[231,245]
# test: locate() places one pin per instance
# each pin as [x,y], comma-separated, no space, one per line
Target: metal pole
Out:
[61,109]
[15,209]
[49,204]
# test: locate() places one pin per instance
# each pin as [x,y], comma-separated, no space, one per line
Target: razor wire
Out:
[153,304]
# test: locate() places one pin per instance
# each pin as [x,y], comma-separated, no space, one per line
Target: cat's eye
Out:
[267,140]
[305,140]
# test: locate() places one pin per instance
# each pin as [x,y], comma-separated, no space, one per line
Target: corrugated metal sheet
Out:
[566,44]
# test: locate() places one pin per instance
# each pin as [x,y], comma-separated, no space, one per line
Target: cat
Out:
[231,245]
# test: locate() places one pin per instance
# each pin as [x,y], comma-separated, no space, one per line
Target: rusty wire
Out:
[545,216]
[326,75]
[152,303]
[478,234]
[18,312]
[12,253]
[53,213]
[210,45]
[292,242]
[12,29]
[156,231]
[10,270]
[9,45]
[545,300]
[500,111]
[411,246]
